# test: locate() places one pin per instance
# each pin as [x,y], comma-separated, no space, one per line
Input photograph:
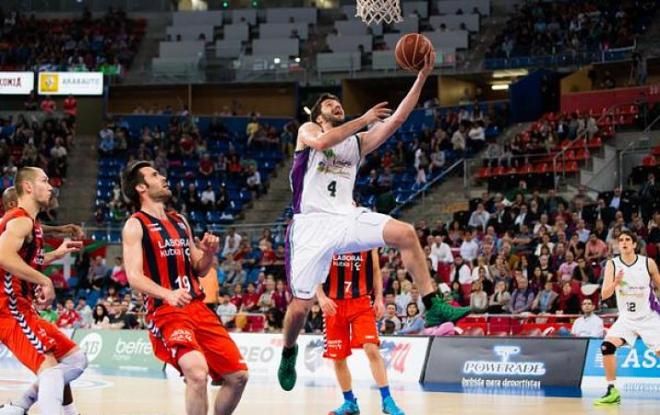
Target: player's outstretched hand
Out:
[209,243]
[429,64]
[178,298]
[377,113]
[328,306]
[68,247]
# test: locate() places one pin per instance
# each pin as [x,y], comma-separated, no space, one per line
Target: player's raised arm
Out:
[11,241]
[312,135]
[375,137]
[610,281]
[132,248]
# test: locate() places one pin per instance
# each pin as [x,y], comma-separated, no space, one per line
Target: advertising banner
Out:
[75,83]
[127,350]
[16,83]
[637,368]
[499,363]
[404,358]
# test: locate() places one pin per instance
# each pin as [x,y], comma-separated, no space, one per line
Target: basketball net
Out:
[377,11]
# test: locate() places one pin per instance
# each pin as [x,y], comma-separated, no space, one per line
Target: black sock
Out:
[428,300]
[288,351]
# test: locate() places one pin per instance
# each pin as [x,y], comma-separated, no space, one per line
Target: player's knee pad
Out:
[73,365]
[607,348]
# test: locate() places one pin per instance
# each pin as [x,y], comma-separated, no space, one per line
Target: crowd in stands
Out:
[209,171]
[41,139]
[82,44]
[551,28]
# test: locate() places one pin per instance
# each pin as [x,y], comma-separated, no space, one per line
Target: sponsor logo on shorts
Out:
[181,335]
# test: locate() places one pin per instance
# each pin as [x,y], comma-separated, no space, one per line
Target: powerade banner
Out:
[404,358]
[506,364]
[125,350]
[637,368]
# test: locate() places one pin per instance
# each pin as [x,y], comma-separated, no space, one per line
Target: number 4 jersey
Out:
[634,296]
[323,181]
[166,255]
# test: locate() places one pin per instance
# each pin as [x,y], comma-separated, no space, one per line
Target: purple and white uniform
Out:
[326,220]
[639,308]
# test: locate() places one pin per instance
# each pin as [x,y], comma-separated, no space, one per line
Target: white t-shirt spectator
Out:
[254,179]
[464,274]
[458,140]
[226,312]
[479,219]
[591,326]
[231,245]
[440,253]
[58,152]
[469,250]
[477,133]
[208,196]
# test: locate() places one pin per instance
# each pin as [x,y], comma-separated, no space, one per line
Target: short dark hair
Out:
[316,109]
[629,233]
[130,178]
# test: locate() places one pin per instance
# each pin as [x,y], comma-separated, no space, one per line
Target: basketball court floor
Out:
[123,394]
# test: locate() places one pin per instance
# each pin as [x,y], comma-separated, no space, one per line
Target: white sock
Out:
[51,388]
[70,409]
[29,397]
[611,383]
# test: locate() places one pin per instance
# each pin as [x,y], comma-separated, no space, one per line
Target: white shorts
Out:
[647,328]
[313,238]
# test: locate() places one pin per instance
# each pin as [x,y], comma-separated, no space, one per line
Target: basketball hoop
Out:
[377,11]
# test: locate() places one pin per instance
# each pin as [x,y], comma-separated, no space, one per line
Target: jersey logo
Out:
[154,227]
[334,165]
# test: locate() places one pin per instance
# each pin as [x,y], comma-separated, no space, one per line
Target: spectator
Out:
[479,218]
[70,106]
[440,252]
[314,323]
[390,316]
[595,249]
[101,318]
[569,303]
[118,275]
[460,271]
[85,312]
[589,324]
[226,309]
[522,297]
[232,242]
[469,248]
[583,273]
[97,273]
[70,318]
[48,106]
[253,180]
[546,300]
[413,322]
[478,298]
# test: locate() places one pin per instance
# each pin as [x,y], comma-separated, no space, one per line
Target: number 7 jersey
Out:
[323,181]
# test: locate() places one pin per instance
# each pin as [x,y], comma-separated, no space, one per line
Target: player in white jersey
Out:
[629,277]
[326,220]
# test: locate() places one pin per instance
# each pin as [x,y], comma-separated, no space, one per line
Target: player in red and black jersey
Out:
[163,262]
[350,322]
[39,345]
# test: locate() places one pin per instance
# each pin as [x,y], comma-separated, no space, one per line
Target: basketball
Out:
[411,50]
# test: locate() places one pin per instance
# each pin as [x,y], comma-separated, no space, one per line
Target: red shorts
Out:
[30,338]
[176,331]
[353,326]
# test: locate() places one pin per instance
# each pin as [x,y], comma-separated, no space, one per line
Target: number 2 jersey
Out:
[323,181]
[634,296]
[166,255]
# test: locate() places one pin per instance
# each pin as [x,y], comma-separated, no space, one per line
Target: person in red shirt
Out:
[48,105]
[237,298]
[71,107]
[206,168]
[70,318]
[250,299]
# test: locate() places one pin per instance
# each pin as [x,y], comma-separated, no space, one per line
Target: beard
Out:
[333,120]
